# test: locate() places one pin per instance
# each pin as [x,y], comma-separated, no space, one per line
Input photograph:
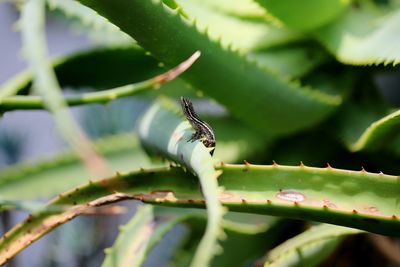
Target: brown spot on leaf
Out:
[292,196]
[224,195]
[328,203]
[372,209]
[162,192]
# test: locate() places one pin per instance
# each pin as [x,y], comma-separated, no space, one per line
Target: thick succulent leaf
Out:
[377,133]
[105,96]
[233,32]
[245,9]
[310,247]
[295,60]
[91,21]
[130,247]
[365,35]
[304,15]
[240,249]
[164,132]
[256,100]
[361,200]
[356,199]
[368,125]
[246,35]
[234,252]
[123,153]
[46,85]
[24,181]
[92,69]
[255,233]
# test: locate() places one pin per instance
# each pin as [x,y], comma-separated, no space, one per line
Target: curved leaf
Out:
[310,247]
[361,200]
[257,100]
[123,153]
[365,35]
[46,85]
[305,15]
[24,181]
[99,27]
[376,133]
[91,69]
[237,33]
[130,247]
[295,60]
[368,124]
[36,102]
[163,132]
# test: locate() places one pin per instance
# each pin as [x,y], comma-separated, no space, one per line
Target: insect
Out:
[204,132]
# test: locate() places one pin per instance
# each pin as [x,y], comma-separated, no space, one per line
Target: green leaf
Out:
[105,96]
[123,153]
[257,100]
[163,132]
[236,33]
[257,240]
[130,247]
[91,69]
[310,247]
[97,26]
[365,35]
[361,200]
[46,85]
[245,9]
[377,133]
[304,15]
[24,181]
[295,60]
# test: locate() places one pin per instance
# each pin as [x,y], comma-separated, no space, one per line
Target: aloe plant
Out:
[293,81]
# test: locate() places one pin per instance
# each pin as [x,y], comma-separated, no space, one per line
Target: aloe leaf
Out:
[37,102]
[375,135]
[23,181]
[271,43]
[94,24]
[164,132]
[219,72]
[368,124]
[360,200]
[245,9]
[237,33]
[308,15]
[234,252]
[166,219]
[310,247]
[130,247]
[365,35]
[123,153]
[91,69]
[46,85]
[356,199]
[294,60]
